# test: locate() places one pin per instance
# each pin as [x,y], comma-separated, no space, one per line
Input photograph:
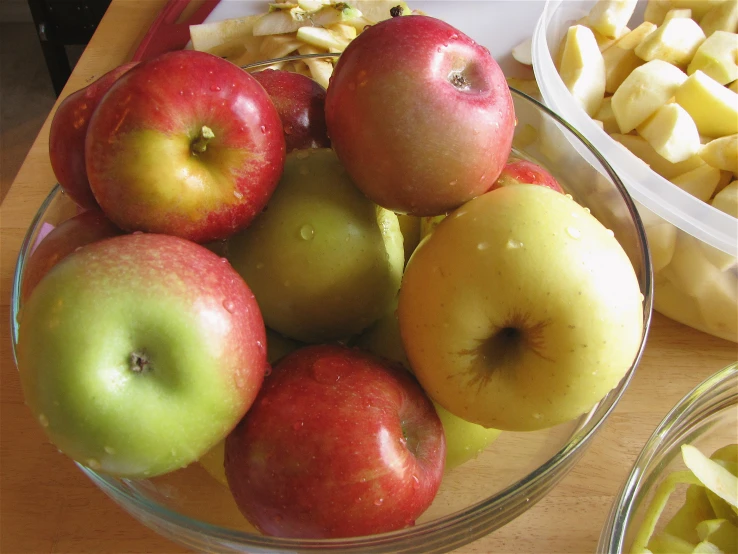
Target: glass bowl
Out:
[706,418]
[687,237]
[191,508]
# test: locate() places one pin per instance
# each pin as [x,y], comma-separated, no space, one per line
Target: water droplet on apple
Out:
[263,129]
[610,232]
[109,450]
[238,194]
[297,425]
[229,306]
[181,93]
[379,501]
[586,210]
[573,232]
[287,129]
[642,297]
[454,36]
[307,232]
[215,88]
[329,371]
[439,49]
[43,420]
[569,196]
[267,373]
[416,482]
[513,244]
[92,463]
[452,183]
[482,246]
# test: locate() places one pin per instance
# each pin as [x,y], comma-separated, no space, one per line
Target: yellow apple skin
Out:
[520,311]
[464,440]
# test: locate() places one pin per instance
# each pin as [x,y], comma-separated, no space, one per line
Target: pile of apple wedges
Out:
[245,283]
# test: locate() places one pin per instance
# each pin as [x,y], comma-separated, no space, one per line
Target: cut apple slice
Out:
[322,38]
[583,69]
[722,153]
[727,200]
[689,270]
[656,11]
[699,7]
[278,46]
[700,182]
[672,133]
[606,116]
[675,42]
[719,532]
[375,11]
[610,17]
[666,543]
[644,91]
[723,17]
[718,303]
[677,12]
[717,57]
[522,52]
[210,35]
[320,70]
[696,508]
[711,474]
[661,242]
[713,107]
[620,58]
[721,260]
[640,147]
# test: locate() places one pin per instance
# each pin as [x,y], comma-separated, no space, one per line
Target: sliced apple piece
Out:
[343,30]
[721,260]
[661,242]
[718,303]
[733,87]
[322,38]
[603,42]
[528,86]
[620,58]
[656,11]
[706,547]
[696,508]
[675,304]
[727,200]
[640,147]
[522,52]
[210,35]
[722,153]
[644,91]
[675,42]
[719,532]
[723,17]
[699,182]
[713,107]
[610,17]
[278,46]
[672,133]
[666,543]
[677,12]
[320,69]
[711,474]
[375,11]
[699,7]
[717,57]
[606,116]
[583,69]
[689,270]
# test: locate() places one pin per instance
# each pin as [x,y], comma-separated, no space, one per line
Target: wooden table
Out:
[48,505]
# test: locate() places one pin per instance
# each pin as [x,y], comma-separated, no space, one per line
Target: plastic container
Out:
[693,245]
[191,508]
[706,418]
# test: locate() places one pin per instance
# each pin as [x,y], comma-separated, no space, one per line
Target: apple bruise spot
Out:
[139,362]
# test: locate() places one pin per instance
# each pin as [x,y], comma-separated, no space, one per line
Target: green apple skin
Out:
[520,311]
[464,440]
[139,353]
[323,261]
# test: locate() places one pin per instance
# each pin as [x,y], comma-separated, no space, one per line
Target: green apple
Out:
[140,352]
[323,261]
[520,311]
[464,440]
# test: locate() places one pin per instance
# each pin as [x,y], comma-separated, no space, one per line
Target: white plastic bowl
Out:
[658,200]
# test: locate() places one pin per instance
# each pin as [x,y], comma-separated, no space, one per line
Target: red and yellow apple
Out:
[521,172]
[520,311]
[188,144]
[338,443]
[139,353]
[420,115]
[67,136]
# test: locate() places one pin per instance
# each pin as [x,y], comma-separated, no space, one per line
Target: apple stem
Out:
[139,362]
[200,144]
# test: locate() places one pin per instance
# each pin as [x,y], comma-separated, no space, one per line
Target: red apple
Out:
[519,172]
[139,353]
[67,136]
[188,144]
[420,115]
[85,228]
[338,443]
[300,102]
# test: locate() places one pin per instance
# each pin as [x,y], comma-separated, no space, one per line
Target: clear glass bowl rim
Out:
[453,530]
[696,402]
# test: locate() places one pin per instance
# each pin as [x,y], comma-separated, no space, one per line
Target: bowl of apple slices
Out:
[369,318]
[653,86]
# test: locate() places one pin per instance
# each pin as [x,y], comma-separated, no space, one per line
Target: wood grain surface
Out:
[47,505]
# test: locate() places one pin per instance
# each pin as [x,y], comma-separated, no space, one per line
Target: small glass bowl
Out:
[706,418]
[191,508]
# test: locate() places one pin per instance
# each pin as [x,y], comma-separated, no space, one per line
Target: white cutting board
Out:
[497,24]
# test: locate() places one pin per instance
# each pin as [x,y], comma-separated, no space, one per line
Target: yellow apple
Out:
[520,311]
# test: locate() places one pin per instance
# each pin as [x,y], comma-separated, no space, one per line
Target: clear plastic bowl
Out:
[706,418]
[694,246]
[191,508]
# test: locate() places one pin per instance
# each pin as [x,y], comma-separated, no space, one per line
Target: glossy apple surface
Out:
[300,102]
[520,311]
[464,440]
[85,228]
[338,443]
[137,354]
[420,115]
[323,261]
[187,145]
[67,136]
[521,172]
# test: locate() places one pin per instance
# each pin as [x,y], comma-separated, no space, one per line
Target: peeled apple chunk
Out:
[711,474]
[606,116]
[690,271]
[727,200]
[713,107]
[661,242]
[718,303]
[722,153]
[645,152]
[700,182]
[717,57]
[610,17]
[620,58]
[672,133]
[723,17]
[699,7]
[675,42]
[583,69]
[644,91]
